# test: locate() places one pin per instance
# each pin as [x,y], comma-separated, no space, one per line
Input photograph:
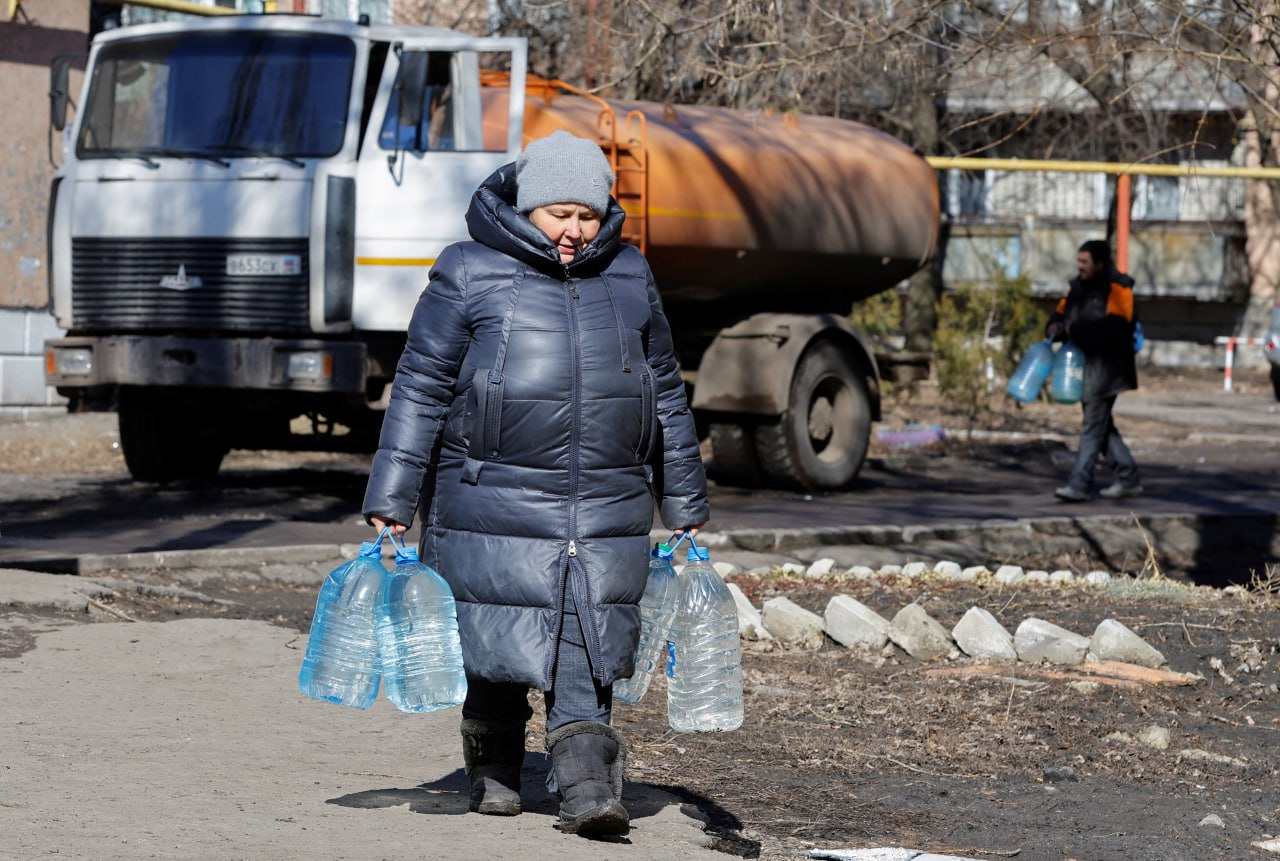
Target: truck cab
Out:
[207,260]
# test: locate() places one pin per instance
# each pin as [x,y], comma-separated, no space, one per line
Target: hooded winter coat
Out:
[536,413]
[1098,316]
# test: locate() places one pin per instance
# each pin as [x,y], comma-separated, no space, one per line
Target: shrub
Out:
[982,333]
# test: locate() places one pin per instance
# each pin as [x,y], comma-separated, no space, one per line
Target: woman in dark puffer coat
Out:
[537,412]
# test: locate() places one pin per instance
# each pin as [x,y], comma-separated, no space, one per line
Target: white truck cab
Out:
[246,216]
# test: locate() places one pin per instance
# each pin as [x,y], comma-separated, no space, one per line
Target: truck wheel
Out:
[821,440]
[733,451]
[167,438]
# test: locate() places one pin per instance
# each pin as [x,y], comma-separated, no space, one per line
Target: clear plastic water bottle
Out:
[1066,383]
[657,612]
[341,664]
[418,638]
[1032,371]
[704,657]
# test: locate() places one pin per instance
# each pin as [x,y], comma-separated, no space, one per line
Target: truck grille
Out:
[116,285]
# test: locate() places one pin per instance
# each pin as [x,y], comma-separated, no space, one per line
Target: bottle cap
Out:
[699,554]
[372,549]
[405,555]
[664,551]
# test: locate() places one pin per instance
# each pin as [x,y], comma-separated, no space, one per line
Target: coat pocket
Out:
[648,415]
[486,415]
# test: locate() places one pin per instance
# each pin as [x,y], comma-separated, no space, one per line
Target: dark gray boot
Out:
[493,754]
[587,761]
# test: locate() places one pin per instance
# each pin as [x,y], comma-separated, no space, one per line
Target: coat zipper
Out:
[578,577]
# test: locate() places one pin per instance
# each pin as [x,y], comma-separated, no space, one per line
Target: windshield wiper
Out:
[181,153]
[233,149]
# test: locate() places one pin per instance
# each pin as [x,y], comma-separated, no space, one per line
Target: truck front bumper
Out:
[270,364]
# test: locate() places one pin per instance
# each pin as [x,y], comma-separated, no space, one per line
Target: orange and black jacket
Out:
[1098,315]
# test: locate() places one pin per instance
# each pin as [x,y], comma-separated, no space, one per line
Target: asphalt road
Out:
[1210,455]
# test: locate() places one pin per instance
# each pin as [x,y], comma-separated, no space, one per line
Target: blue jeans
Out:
[1098,435]
[574,696]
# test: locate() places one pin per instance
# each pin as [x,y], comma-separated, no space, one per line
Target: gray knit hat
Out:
[563,168]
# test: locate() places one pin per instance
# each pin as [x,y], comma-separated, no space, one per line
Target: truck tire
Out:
[819,443]
[167,438]
[733,454]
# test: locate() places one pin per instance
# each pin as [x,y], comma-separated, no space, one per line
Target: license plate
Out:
[264,264]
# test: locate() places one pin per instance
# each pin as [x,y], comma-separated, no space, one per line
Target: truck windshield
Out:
[220,94]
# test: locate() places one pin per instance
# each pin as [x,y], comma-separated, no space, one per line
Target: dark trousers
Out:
[1098,436]
[574,694]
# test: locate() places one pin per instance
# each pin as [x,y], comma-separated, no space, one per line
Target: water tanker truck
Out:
[248,208]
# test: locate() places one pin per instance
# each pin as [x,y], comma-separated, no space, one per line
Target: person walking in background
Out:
[1097,314]
[536,413]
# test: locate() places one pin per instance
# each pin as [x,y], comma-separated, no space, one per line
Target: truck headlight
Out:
[69,362]
[310,365]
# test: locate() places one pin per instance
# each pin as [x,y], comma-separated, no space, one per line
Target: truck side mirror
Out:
[58,96]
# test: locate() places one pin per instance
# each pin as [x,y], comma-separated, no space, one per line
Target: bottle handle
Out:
[671,544]
[373,549]
[404,553]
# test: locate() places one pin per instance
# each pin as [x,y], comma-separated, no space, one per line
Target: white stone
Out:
[862,572]
[793,624]
[792,568]
[851,623]
[1008,575]
[821,567]
[1038,640]
[750,625]
[890,570]
[1112,641]
[1155,736]
[918,634]
[980,635]
[1097,578]
[1268,845]
[1061,576]
[1213,820]
[973,572]
[948,569]
[914,569]
[724,569]
[1038,577]
[1087,689]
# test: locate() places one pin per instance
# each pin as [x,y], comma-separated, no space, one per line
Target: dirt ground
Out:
[844,748]
[847,748]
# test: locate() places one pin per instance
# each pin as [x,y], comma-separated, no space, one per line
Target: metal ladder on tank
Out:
[628,151]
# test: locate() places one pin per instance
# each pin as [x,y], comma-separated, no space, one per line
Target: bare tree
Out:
[899,64]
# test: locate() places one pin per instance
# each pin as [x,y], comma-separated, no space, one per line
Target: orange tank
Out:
[733,207]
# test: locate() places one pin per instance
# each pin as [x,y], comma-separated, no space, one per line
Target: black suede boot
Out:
[587,761]
[493,754]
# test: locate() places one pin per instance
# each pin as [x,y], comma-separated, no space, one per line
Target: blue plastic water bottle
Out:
[418,638]
[1066,382]
[341,664]
[704,656]
[1027,381]
[657,613]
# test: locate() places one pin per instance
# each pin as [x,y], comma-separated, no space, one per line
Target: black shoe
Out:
[1120,490]
[587,761]
[1067,493]
[493,754]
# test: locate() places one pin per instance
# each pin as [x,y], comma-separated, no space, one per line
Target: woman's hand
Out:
[692,530]
[397,528]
